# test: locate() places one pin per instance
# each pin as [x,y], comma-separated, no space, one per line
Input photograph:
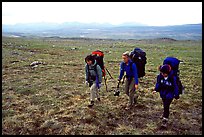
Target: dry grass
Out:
[52,98]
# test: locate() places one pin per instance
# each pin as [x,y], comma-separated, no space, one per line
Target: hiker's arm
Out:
[158,85]
[86,73]
[134,68]
[99,72]
[121,71]
[176,93]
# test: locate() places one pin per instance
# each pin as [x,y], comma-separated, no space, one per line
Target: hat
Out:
[126,53]
[165,69]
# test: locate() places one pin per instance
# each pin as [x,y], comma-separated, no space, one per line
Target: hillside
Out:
[104,31]
[52,99]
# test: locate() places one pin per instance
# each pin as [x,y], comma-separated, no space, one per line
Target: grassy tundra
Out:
[52,98]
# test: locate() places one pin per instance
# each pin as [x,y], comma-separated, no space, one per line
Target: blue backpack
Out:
[174,63]
[138,56]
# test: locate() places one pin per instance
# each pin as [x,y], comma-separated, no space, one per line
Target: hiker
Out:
[168,89]
[131,82]
[93,78]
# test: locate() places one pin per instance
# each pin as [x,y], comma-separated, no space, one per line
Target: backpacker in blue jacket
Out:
[167,86]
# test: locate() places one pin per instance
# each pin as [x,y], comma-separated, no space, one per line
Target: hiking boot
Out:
[164,122]
[116,93]
[98,99]
[91,104]
[135,101]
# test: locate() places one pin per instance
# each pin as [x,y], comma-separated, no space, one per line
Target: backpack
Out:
[138,56]
[98,56]
[174,63]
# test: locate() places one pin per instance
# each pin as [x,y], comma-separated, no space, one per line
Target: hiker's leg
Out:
[166,105]
[93,92]
[132,91]
[126,86]
[97,93]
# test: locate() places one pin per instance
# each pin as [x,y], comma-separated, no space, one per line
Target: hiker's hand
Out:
[136,86]
[100,85]
[87,83]
[154,92]
[118,80]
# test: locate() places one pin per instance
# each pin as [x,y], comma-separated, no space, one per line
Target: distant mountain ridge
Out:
[104,30]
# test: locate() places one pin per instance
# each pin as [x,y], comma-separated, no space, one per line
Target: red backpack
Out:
[98,55]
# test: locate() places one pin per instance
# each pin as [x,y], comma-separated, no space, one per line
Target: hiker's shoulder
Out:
[172,76]
[98,66]
[159,76]
[122,63]
[132,64]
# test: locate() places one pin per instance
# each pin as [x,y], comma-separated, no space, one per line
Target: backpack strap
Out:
[95,69]
[171,79]
[89,77]
[131,66]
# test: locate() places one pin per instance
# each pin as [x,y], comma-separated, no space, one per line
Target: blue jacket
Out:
[129,74]
[168,88]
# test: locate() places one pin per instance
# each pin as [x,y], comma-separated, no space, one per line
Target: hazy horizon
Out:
[130,23]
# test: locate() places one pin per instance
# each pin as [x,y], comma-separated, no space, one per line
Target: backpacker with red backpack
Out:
[98,56]
[174,64]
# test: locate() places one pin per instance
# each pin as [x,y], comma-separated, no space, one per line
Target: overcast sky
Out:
[149,13]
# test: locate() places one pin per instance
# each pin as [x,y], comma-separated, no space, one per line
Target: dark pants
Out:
[166,105]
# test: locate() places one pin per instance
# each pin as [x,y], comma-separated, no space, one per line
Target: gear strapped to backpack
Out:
[174,63]
[138,56]
[98,56]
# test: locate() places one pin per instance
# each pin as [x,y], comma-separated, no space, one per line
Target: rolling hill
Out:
[104,31]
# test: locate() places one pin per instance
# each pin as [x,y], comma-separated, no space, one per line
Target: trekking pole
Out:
[105,83]
[123,79]
[118,84]
[117,91]
[109,73]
